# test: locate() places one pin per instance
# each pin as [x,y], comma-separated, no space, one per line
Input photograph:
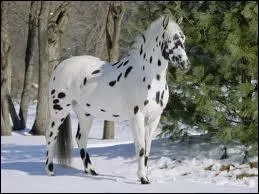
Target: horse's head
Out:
[173,45]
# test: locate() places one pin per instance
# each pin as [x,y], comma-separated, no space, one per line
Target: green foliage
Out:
[222,44]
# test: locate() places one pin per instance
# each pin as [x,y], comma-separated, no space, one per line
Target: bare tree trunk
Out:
[27,85]
[5,65]
[113,23]
[56,27]
[42,112]
[5,129]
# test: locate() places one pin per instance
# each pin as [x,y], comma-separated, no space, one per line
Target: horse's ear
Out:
[180,19]
[165,21]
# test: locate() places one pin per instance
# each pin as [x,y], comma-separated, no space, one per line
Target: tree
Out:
[30,49]
[220,93]
[42,112]
[56,27]
[113,28]
[5,66]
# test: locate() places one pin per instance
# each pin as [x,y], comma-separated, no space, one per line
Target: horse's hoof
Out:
[50,173]
[144,180]
[92,172]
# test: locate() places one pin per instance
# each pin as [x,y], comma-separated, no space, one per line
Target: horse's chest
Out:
[157,99]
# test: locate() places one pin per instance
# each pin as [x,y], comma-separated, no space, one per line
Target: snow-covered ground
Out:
[172,167]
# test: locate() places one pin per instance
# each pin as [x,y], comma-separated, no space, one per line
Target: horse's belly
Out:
[104,103]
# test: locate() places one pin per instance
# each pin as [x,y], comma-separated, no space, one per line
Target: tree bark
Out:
[56,27]
[42,112]
[27,85]
[113,29]
[5,65]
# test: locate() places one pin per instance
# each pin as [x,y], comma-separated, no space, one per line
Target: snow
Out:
[172,166]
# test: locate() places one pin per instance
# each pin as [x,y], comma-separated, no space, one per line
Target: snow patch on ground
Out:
[191,166]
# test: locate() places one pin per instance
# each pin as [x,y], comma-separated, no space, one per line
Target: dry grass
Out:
[242,175]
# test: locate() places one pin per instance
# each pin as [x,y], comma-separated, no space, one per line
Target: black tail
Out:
[64,146]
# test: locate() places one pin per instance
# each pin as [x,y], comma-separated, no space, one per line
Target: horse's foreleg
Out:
[138,130]
[84,126]
[150,128]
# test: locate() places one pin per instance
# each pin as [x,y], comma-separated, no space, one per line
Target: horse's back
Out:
[67,74]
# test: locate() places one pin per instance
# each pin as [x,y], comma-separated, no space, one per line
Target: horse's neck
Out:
[150,61]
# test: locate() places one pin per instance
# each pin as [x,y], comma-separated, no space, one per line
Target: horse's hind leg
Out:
[56,119]
[84,126]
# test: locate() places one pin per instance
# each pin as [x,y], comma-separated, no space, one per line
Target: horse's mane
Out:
[152,28]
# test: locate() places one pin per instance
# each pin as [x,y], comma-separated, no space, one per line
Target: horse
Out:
[134,88]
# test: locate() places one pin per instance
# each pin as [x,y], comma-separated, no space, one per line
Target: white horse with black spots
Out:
[134,88]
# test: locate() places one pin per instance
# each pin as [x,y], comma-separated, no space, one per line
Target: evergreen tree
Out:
[220,93]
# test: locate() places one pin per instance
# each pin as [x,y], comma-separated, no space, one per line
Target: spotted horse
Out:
[134,89]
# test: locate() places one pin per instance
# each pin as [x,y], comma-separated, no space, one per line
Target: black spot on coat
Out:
[144,38]
[144,79]
[158,77]
[141,152]
[102,110]
[148,87]
[161,103]
[150,59]
[57,107]
[51,133]
[127,71]
[87,114]
[61,95]
[136,109]
[52,124]
[50,167]
[112,83]
[96,71]
[118,78]
[163,35]
[82,153]
[141,50]
[115,63]
[116,115]
[125,63]
[162,95]
[159,62]
[157,97]
[85,80]
[87,104]
[52,91]
[146,158]
[78,131]
[55,101]
[120,65]
[146,102]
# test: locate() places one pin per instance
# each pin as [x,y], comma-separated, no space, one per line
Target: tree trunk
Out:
[56,27]
[5,65]
[27,85]
[42,112]
[113,23]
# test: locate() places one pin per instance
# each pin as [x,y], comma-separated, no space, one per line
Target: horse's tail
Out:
[64,143]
